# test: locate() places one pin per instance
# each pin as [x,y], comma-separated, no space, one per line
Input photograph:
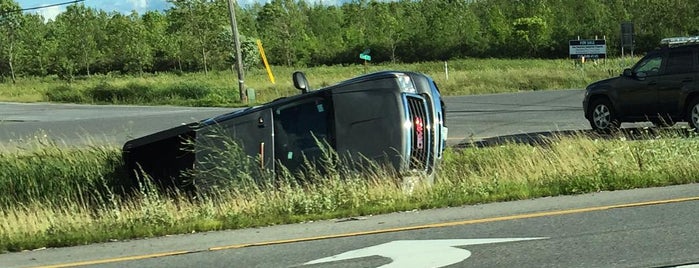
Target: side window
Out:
[650,65]
[298,127]
[679,62]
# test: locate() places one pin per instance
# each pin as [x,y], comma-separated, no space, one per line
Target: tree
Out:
[385,26]
[77,30]
[326,41]
[10,23]
[248,50]
[532,27]
[198,22]
[156,26]
[355,29]
[281,24]
[129,50]
[35,45]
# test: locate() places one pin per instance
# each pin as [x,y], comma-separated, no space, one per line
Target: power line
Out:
[40,7]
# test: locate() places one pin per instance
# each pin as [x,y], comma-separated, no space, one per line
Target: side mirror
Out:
[627,73]
[300,81]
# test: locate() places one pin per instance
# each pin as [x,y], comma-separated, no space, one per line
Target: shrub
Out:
[188,91]
[105,92]
[65,93]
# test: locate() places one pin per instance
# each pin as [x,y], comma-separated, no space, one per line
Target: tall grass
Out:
[464,76]
[46,172]
[561,165]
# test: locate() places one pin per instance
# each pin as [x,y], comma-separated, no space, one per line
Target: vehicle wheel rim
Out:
[695,115]
[602,116]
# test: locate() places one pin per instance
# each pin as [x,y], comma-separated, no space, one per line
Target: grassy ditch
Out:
[464,76]
[84,206]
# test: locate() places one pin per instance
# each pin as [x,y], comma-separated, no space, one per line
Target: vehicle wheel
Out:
[602,117]
[693,114]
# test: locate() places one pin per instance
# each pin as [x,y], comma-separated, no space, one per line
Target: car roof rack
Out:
[680,41]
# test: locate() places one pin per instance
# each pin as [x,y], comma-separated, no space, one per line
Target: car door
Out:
[637,93]
[679,73]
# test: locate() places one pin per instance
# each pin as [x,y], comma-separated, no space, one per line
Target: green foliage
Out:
[65,93]
[10,43]
[188,90]
[195,35]
[105,92]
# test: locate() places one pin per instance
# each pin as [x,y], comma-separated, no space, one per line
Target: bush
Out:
[188,91]
[65,93]
[105,92]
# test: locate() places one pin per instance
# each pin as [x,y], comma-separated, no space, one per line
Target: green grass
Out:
[465,76]
[74,213]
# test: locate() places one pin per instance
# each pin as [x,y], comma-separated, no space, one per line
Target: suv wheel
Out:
[603,118]
[693,114]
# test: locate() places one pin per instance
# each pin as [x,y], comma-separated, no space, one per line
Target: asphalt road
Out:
[653,227]
[470,118]
[80,124]
[609,229]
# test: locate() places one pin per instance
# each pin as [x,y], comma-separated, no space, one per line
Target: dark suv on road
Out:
[662,88]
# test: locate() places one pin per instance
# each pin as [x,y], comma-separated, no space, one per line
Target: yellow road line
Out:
[129,258]
[399,229]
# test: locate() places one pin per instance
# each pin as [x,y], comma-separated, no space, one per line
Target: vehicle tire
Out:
[603,118]
[692,114]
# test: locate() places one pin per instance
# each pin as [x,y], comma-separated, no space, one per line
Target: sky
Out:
[123,6]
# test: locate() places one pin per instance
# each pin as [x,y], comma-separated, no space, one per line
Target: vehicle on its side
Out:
[662,88]
[393,117]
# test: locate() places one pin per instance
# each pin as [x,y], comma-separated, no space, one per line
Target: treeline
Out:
[195,35]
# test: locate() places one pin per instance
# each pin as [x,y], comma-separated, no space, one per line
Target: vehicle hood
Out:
[602,83]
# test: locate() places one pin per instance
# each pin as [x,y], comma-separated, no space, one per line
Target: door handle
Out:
[688,80]
[652,83]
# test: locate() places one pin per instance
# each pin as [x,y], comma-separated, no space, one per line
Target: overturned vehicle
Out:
[392,117]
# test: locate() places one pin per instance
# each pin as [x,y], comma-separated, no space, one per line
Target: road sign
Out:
[419,253]
[365,56]
[627,35]
[590,49]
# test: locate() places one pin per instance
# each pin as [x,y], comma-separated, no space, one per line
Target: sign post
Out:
[588,49]
[627,37]
[366,57]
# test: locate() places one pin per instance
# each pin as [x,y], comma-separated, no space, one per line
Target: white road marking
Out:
[419,253]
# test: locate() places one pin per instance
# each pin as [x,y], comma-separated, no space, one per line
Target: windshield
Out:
[298,129]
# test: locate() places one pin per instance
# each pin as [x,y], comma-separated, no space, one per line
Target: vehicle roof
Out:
[681,41]
[320,91]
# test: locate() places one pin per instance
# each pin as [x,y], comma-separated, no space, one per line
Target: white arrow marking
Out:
[419,253]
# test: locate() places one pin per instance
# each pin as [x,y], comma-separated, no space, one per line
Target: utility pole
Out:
[238,57]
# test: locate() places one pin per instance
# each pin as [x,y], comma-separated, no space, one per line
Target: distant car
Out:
[662,88]
[392,117]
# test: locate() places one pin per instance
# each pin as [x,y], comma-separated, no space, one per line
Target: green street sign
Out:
[365,57]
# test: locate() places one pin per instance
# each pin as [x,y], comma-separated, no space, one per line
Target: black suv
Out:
[662,88]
